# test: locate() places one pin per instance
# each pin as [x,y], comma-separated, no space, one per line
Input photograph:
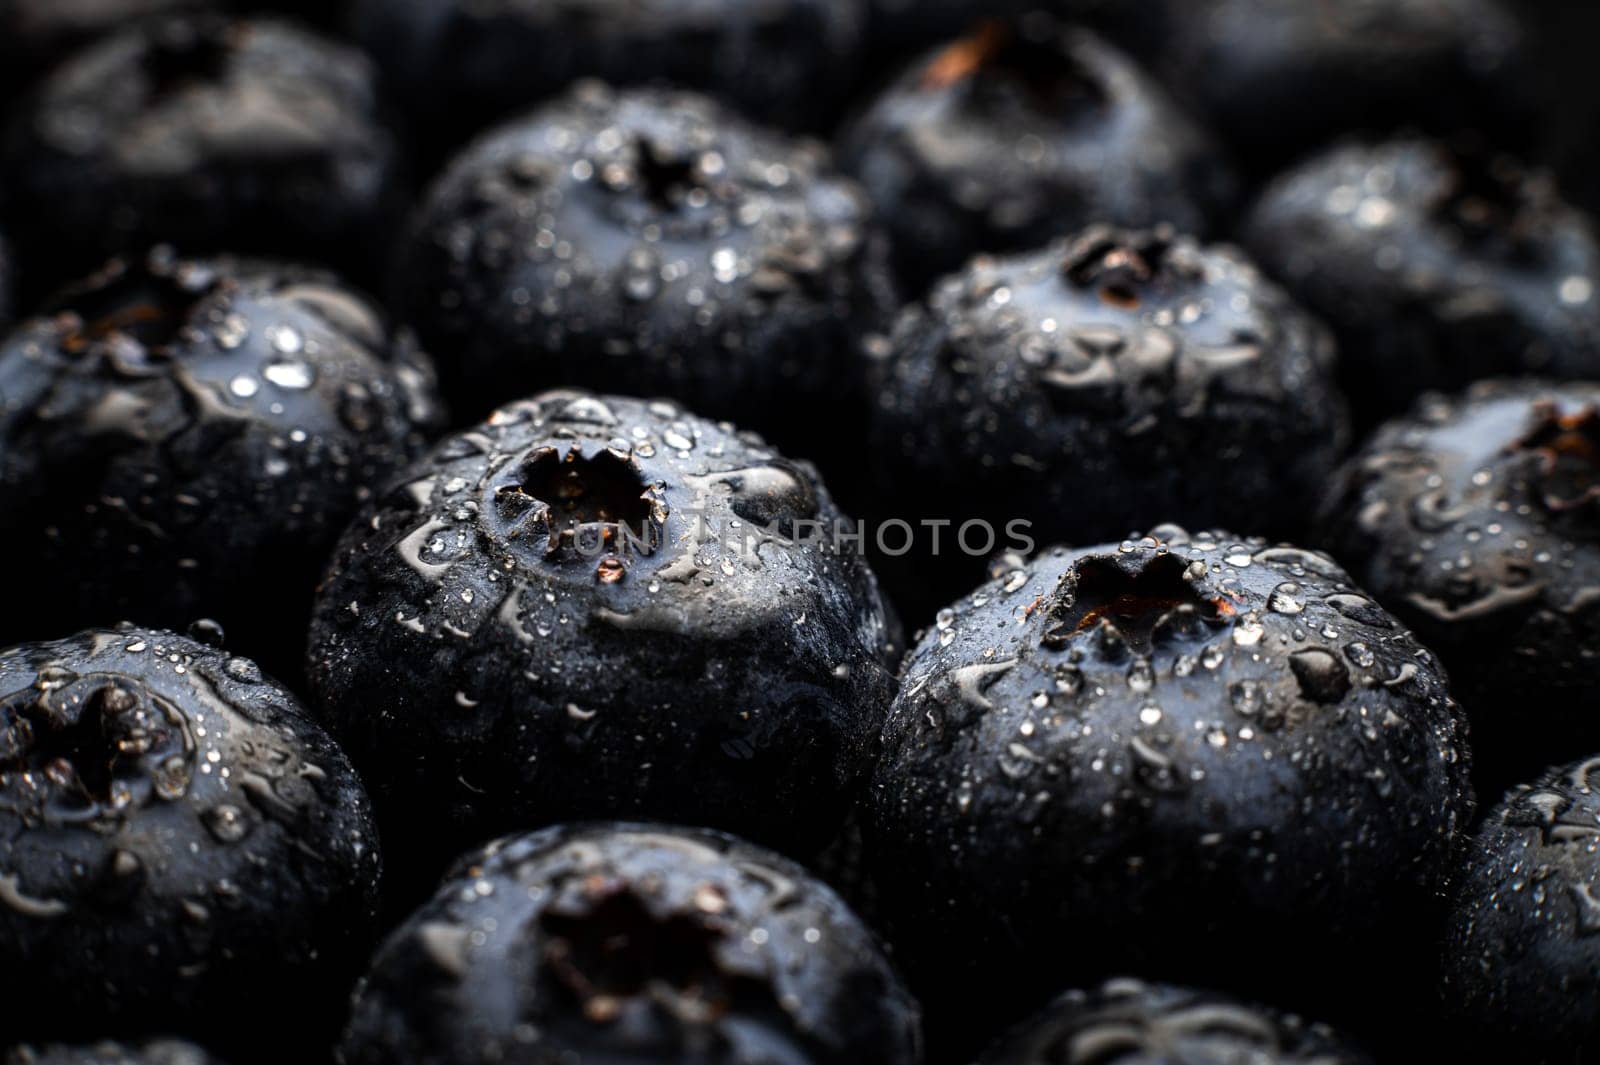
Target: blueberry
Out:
[1107,381]
[181,846]
[461,65]
[210,133]
[1474,519]
[650,243]
[1279,77]
[1521,961]
[186,438]
[1019,133]
[1130,757]
[586,607]
[1128,1022]
[156,1052]
[631,943]
[1437,267]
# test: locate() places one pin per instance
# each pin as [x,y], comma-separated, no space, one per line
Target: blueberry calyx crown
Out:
[84,749]
[554,505]
[1132,610]
[608,949]
[1566,450]
[133,313]
[1121,266]
[1486,198]
[1050,79]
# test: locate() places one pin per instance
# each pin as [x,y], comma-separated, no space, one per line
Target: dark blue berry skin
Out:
[1128,1022]
[1436,266]
[1115,380]
[183,439]
[462,65]
[621,943]
[1521,974]
[650,243]
[211,133]
[1130,756]
[1279,78]
[496,651]
[1019,133]
[1477,520]
[175,821]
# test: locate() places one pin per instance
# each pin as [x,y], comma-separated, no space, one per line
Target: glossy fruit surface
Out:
[1019,133]
[1477,520]
[1435,266]
[170,813]
[648,243]
[186,438]
[621,943]
[592,606]
[1121,757]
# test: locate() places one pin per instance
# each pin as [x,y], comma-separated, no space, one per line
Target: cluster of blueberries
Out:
[458,678]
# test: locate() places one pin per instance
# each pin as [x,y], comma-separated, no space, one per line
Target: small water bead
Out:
[1287,598]
[285,340]
[292,374]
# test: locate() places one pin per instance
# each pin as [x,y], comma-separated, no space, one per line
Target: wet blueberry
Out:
[1477,520]
[1522,961]
[1204,758]
[1436,267]
[1019,133]
[462,65]
[631,943]
[156,1052]
[1277,78]
[1094,386]
[1127,1022]
[649,243]
[587,607]
[184,438]
[179,846]
[210,133]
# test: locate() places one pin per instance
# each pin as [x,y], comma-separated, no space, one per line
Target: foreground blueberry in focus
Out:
[1436,267]
[1097,385]
[1279,77]
[1127,1022]
[1017,134]
[577,610]
[1477,520]
[210,133]
[181,439]
[631,943]
[175,822]
[461,65]
[1122,757]
[650,243]
[157,1052]
[1521,962]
